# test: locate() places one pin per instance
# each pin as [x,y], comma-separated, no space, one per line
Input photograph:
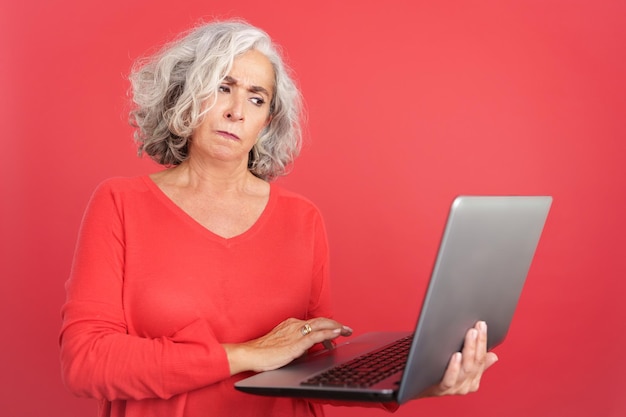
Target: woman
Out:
[186,280]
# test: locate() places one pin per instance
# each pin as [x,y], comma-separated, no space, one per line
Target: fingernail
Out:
[336,330]
[482,326]
[348,329]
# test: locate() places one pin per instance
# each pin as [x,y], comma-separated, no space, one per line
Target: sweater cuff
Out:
[201,359]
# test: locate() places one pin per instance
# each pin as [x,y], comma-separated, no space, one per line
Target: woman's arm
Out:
[99,357]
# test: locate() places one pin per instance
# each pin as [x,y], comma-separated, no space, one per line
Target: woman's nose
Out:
[234,109]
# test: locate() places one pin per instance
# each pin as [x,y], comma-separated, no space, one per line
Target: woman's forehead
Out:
[252,69]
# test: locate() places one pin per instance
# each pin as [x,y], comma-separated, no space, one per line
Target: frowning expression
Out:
[232,126]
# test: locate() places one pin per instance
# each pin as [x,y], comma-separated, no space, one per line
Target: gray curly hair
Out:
[169,89]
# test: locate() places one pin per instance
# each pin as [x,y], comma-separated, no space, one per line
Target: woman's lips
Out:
[227,135]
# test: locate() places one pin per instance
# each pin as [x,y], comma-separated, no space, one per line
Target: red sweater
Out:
[153,294]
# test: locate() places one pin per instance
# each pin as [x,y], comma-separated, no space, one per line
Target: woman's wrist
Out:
[237,355]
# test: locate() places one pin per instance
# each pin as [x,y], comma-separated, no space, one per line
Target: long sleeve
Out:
[99,357]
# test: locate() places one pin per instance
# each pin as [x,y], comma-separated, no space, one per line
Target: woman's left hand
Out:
[466,368]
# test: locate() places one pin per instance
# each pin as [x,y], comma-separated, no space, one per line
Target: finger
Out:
[452,373]
[481,342]
[318,330]
[469,350]
[490,359]
[323,335]
[322,323]
[346,331]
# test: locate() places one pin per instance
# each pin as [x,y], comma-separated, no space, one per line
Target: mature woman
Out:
[188,279]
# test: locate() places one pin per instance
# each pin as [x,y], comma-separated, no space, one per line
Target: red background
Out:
[410,104]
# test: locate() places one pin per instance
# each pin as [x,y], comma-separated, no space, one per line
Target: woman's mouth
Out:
[228,135]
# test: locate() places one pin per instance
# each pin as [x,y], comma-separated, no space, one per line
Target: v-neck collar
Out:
[184,216]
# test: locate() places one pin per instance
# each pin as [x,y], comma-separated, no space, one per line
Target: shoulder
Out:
[117,190]
[293,200]
[296,210]
[123,184]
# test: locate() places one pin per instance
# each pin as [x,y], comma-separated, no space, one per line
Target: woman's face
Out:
[232,126]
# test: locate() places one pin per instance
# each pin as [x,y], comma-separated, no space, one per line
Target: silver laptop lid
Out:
[482,263]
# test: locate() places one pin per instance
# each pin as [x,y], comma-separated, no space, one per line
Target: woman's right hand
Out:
[286,342]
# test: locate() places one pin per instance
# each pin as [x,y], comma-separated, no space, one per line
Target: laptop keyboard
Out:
[366,370]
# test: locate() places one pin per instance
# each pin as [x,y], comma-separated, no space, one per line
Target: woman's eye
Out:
[258,101]
[223,89]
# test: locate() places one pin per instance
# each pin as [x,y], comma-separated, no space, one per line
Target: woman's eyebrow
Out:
[254,88]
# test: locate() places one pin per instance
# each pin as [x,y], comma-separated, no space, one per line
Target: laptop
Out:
[483,260]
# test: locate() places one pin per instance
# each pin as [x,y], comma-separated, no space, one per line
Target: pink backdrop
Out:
[410,104]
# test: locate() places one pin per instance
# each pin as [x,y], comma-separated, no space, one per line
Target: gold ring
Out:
[306,329]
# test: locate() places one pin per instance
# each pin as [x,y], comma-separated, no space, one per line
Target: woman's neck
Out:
[212,179]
